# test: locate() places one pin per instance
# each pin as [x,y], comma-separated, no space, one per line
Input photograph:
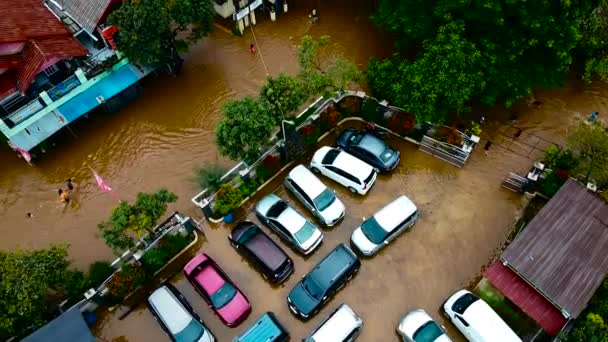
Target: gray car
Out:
[370,149]
[304,236]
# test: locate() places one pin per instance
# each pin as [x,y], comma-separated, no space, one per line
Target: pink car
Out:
[220,293]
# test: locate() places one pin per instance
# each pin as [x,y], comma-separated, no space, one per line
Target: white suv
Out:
[342,325]
[353,173]
[315,196]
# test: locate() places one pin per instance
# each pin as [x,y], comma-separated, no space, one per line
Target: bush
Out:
[329,118]
[310,134]
[402,123]
[369,111]
[74,284]
[154,259]
[99,271]
[208,177]
[350,105]
[474,129]
[228,199]
[552,182]
[449,135]
[127,280]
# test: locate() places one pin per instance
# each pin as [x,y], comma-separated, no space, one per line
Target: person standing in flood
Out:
[70,185]
[252,48]
[64,197]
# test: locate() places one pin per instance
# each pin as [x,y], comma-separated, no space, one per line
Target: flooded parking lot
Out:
[464,217]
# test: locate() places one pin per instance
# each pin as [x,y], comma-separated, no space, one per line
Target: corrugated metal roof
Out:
[537,307]
[69,327]
[562,251]
[44,35]
[87,13]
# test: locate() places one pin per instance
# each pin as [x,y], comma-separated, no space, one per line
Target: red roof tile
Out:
[537,307]
[45,36]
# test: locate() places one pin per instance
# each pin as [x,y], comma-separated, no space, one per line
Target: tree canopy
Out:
[517,46]
[25,280]
[245,128]
[136,218]
[594,42]
[283,94]
[589,142]
[152,32]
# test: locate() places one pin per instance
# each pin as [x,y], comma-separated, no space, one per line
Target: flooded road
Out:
[159,139]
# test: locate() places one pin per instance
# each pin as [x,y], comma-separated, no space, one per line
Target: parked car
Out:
[304,236]
[342,325]
[351,172]
[476,319]
[266,329]
[316,197]
[325,279]
[261,251]
[176,316]
[380,229]
[418,326]
[220,293]
[369,148]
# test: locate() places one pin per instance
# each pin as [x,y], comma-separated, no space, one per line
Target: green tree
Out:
[284,94]
[153,32]
[245,128]
[593,45]
[25,280]
[321,71]
[522,44]
[589,142]
[135,218]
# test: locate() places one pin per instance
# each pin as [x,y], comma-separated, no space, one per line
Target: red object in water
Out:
[108,34]
[252,49]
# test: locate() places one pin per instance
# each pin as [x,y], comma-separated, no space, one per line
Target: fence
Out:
[515,183]
[444,151]
[63,88]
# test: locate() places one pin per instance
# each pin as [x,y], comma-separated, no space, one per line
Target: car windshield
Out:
[277,209]
[428,332]
[313,289]
[355,138]
[387,154]
[192,332]
[223,296]
[330,156]
[248,234]
[325,199]
[305,232]
[373,231]
[462,303]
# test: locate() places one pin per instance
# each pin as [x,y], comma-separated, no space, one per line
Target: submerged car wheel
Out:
[314,169]
[353,190]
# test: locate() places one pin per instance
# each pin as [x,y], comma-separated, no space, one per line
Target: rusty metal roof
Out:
[87,13]
[562,251]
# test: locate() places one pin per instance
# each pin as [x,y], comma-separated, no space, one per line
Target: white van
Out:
[342,325]
[476,319]
[382,228]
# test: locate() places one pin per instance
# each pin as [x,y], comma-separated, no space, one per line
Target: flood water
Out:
[159,139]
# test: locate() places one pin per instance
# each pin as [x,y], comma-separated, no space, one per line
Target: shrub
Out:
[74,284]
[329,118]
[154,259]
[474,129]
[310,134]
[549,185]
[402,123]
[99,271]
[350,105]
[208,177]
[449,135]
[369,111]
[128,279]
[228,199]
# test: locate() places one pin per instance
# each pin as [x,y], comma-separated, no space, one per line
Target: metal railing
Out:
[63,88]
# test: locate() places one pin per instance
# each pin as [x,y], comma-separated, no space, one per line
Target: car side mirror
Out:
[363,218]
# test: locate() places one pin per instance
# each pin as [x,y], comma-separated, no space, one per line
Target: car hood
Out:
[207,337]
[234,311]
[303,302]
[362,243]
[313,240]
[334,212]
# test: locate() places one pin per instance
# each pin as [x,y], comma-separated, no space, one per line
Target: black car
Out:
[369,148]
[274,264]
[325,279]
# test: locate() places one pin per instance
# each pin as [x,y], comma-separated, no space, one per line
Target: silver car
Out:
[316,197]
[288,224]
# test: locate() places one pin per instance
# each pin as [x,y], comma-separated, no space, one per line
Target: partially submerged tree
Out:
[284,94]
[25,280]
[153,32]
[137,218]
[321,71]
[590,144]
[246,127]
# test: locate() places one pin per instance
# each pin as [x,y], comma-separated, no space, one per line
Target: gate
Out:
[444,151]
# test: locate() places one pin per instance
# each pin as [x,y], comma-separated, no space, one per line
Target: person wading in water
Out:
[64,197]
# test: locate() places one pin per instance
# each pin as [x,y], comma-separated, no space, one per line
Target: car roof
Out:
[307,181]
[334,264]
[337,326]
[170,310]
[413,321]
[395,212]
[209,278]
[266,250]
[372,144]
[291,220]
[353,165]
[266,328]
[266,203]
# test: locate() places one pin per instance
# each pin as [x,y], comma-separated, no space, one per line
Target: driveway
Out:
[464,218]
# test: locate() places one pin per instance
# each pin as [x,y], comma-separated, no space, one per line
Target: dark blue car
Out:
[370,149]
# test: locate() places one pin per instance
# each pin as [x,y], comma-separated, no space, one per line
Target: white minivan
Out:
[342,325]
[345,169]
[382,228]
[476,319]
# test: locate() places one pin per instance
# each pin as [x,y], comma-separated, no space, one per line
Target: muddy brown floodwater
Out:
[159,139]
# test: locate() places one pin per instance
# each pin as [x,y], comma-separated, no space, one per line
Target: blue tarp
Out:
[69,326]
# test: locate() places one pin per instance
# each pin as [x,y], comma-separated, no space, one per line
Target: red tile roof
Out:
[537,307]
[44,35]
